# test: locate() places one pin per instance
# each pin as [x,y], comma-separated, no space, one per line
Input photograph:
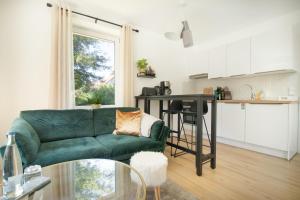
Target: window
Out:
[94,69]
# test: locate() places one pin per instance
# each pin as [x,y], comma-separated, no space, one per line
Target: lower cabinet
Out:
[233,121]
[267,128]
[268,125]
[207,118]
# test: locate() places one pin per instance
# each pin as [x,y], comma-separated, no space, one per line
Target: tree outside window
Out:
[94,70]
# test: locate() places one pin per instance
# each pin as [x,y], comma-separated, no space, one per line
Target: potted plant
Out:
[94,99]
[142,65]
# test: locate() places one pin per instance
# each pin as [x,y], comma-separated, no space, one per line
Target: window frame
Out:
[118,71]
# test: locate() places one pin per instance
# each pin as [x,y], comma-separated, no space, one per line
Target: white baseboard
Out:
[253,147]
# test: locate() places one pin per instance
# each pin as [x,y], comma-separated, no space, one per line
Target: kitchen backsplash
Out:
[273,86]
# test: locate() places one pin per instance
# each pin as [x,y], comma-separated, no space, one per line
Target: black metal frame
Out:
[180,129]
[199,98]
[95,18]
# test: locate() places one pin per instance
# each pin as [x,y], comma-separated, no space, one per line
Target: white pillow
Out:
[146,124]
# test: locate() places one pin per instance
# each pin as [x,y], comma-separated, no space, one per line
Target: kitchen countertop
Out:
[259,101]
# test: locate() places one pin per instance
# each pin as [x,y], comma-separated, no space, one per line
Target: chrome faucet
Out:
[252,96]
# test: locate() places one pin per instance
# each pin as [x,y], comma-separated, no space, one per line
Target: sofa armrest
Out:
[165,133]
[27,140]
[159,131]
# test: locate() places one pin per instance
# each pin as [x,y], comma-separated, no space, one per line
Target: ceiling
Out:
[208,19]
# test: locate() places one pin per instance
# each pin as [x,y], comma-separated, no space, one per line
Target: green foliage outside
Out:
[104,95]
[88,60]
[91,182]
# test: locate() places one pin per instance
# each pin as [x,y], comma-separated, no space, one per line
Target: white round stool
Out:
[153,168]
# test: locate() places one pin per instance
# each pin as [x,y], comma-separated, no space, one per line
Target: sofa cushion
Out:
[27,140]
[70,149]
[105,119]
[123,144]
[52,125]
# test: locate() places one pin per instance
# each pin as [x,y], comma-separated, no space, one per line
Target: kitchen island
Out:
[199,98]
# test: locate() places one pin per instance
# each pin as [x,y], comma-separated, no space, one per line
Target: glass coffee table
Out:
[92,179]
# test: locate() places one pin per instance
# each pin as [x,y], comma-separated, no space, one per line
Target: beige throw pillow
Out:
[128,123]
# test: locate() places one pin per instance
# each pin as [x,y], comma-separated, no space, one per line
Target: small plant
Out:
[142,64]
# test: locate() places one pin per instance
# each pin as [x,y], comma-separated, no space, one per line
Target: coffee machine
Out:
[165,88]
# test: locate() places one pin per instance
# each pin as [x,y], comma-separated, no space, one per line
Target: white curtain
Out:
[61,73]
[127,64]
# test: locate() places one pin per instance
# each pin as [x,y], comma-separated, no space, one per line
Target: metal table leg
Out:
[161,106]
[213,134]
[136,102]
[169,116]
[199,136]
[148,106]
[145,105]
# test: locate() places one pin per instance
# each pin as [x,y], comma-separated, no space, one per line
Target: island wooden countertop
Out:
[259,101]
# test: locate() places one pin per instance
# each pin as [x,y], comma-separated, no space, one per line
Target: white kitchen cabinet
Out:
[239,57]
[273,50]
[268,125]
[233,121]
[196,60]
[293,130]
[208,120]
[267,128]
[217,62]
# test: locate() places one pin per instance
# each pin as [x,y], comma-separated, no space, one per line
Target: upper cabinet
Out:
[196,60]
[273,50]
[239,57]
[217,62]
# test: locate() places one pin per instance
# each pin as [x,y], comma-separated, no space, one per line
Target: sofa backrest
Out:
[53,125]
[105,119]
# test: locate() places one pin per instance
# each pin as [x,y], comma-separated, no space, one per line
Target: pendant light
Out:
[185,34]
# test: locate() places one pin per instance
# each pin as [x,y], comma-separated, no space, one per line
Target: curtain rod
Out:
[95,18]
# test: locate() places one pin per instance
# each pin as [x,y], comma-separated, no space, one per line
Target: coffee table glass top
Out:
[92,179]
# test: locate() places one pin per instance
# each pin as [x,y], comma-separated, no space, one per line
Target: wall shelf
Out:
[145,76]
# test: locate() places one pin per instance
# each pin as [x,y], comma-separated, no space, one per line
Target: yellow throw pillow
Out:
[128,123]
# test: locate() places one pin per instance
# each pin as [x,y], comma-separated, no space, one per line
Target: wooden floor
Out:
[240,175]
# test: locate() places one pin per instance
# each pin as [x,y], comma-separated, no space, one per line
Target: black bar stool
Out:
[190,116]
[176,108]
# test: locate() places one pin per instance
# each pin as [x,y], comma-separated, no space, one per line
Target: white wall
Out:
[273,86]
[25,57]
[166,58]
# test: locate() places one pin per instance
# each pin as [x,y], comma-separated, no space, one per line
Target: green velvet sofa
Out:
[46,137]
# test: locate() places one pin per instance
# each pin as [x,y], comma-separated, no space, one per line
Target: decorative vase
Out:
[12,169]
[96,106]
